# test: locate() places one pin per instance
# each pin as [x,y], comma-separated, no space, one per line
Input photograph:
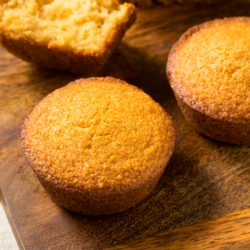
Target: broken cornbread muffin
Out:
[209,72]
[98,145]
[76,36]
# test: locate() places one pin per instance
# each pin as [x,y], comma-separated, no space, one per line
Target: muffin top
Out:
[98,133]
[209,68]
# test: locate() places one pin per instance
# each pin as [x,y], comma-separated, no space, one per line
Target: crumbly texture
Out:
[87,29]
[215,79]
[101,140]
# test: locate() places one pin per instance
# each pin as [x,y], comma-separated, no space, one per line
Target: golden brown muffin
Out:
[209,72]
[76,36]
[98,145]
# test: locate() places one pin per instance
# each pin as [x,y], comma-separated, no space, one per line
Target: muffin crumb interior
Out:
[75,24]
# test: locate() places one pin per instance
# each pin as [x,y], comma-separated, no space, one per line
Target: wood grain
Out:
[204,179]
[229,232]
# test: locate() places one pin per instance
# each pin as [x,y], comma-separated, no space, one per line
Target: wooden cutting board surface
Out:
[204,179]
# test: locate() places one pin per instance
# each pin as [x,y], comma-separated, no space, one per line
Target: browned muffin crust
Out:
[98,145]
[54,58]
[217,105]
[66,59]
[220,130]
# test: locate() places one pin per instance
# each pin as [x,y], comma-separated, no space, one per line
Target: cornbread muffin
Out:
[149,3]
[209,72]
[98,145]
[76,36]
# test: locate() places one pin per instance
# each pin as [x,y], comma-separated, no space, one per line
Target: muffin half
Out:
[209,72]
[98,145]
[76,36]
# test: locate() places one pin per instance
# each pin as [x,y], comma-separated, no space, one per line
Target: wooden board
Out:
[204,179]
[231,232]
